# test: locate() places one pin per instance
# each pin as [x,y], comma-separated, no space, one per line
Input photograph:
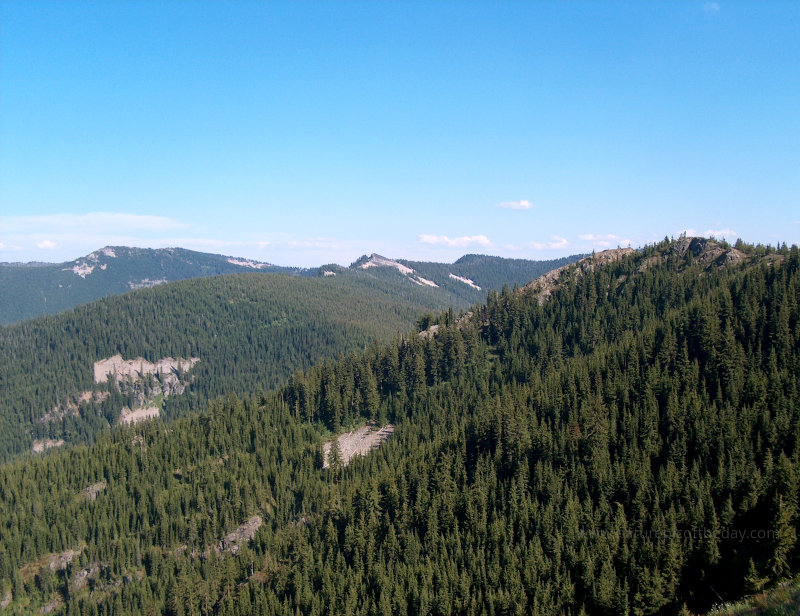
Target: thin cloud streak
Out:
[94,221]
[72,244]
[605,241]
[555,243]
[455,242]
[315,243]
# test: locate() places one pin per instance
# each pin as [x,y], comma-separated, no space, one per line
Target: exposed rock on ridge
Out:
[706,252]
[376,260]
[132,369]
[545,285]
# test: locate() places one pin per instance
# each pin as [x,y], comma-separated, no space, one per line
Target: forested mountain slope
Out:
[30,290]
[246,330]
[237,333]
[464,282]
[487,272]
[626,443]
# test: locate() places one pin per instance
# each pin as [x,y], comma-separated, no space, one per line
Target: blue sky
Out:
[314,132]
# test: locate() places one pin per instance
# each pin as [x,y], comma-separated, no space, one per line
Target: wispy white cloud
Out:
[315,243]
[93,222]
[209,243]
[455,242]
[519,206]
[605,241]
[711,8]
[47,245]
[555,243]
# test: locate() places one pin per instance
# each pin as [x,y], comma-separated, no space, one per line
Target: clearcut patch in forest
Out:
[359,442]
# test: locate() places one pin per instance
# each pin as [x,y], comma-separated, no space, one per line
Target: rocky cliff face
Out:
[121,370]
[545,285]
[144,380]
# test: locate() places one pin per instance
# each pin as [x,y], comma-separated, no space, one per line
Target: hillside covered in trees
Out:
[246,330]
[239,331]
[621,437]
[33,289]
[29,290]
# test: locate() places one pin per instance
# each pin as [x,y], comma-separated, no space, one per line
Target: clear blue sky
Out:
[309,133]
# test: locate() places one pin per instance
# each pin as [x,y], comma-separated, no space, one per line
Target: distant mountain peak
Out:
[376,260]
[110,270]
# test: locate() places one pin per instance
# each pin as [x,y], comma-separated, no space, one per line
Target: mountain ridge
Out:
[32,290]
[236,324]
[35,289]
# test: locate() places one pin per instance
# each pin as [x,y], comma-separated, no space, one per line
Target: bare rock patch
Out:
[93,490]
[545,285]
[357,443]
[45,444]
[121,370]
[132,416]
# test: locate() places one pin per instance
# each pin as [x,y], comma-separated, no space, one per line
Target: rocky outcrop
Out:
[544,286]
[462,322]
[72,407]
[45,444]
[100,577]
[129,370]
[233,541]
[60,562]
[93,490]
[376,260]
[357,443]
[146,283]
[707,251]
[704,251]
[55,562]
[430,332]
[128,416]
[144,381]
[467,281]
[82,578]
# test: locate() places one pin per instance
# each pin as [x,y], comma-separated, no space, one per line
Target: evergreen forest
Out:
[248,331]
[623,441]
